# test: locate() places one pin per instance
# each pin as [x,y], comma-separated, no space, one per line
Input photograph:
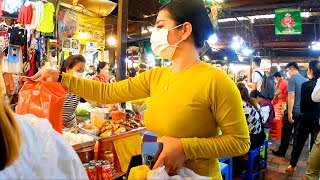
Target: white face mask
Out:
[90,71]
[288,75]
[160,45]
[309,76]
[77,74]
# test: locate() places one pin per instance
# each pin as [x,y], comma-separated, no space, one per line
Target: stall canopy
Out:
[97,8]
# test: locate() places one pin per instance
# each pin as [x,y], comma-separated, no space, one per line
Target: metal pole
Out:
[122,39]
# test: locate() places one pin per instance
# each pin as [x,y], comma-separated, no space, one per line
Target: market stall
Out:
[109,137]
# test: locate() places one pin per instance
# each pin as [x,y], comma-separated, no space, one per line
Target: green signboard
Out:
[288,21]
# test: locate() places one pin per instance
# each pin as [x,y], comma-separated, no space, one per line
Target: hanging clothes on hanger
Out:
[37,16]
[47,25]
[14,63]
[25,13]
[4,26]
[4,41]
[17,36]
[13,56]
[32,61]
[1,7]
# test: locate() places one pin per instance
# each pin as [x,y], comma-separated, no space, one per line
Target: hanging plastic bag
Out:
[44,100]
[184,173]
[144,173]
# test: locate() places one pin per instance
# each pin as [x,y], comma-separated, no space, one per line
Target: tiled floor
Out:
[277,165]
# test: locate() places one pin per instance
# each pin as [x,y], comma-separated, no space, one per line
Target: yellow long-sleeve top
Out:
[197,103]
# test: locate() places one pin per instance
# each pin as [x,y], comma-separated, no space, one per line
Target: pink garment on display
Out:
[1,7]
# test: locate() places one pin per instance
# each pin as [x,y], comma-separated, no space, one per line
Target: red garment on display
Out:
[25,14]
[32,61]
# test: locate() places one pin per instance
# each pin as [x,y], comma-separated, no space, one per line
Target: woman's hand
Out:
[46,75]
[172,155]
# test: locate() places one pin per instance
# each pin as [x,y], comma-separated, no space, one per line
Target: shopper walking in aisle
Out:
[266,109]
[313,163]
[102,72]
[292,114]
[282,86]
[32,149]
[257,74]
[73,65]
[188,104]
[309,123]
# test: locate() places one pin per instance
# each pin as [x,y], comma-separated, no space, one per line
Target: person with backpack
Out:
[257,75]
[261,82]
[292,114]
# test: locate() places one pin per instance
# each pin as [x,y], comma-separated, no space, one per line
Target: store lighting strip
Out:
[266,16]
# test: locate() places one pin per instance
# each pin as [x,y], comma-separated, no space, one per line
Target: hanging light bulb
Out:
[213,39]
[112,41]
[247,52]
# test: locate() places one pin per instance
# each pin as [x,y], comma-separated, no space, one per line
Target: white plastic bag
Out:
[45,154]
[184,174]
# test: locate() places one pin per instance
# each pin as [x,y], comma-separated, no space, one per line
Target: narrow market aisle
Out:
[278,165]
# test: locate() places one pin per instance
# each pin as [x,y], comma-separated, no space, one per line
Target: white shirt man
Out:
[257,74]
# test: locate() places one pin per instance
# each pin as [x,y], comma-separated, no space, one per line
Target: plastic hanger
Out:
[27,3]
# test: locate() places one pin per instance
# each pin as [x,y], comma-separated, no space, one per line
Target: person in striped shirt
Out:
[75,65]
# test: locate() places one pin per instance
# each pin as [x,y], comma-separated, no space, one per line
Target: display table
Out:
[106,144]
[94,150]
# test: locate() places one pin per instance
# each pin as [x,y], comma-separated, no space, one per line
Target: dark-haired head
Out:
[102,67]
[256,62]
[245,95]
[293,65]
[74,63]
[256,95]
[314,69]
[277,75]
[193,15]
[292,68]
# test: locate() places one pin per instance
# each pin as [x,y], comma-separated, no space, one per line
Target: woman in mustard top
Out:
[190,101]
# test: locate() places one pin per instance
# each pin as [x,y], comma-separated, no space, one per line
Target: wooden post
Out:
[122,39]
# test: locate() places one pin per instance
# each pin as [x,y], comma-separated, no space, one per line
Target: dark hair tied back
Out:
[194,12]
[101,65]
[314,65]
[71,62]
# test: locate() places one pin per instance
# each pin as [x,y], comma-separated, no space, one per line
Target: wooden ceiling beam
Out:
[273,45]
[238,3]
